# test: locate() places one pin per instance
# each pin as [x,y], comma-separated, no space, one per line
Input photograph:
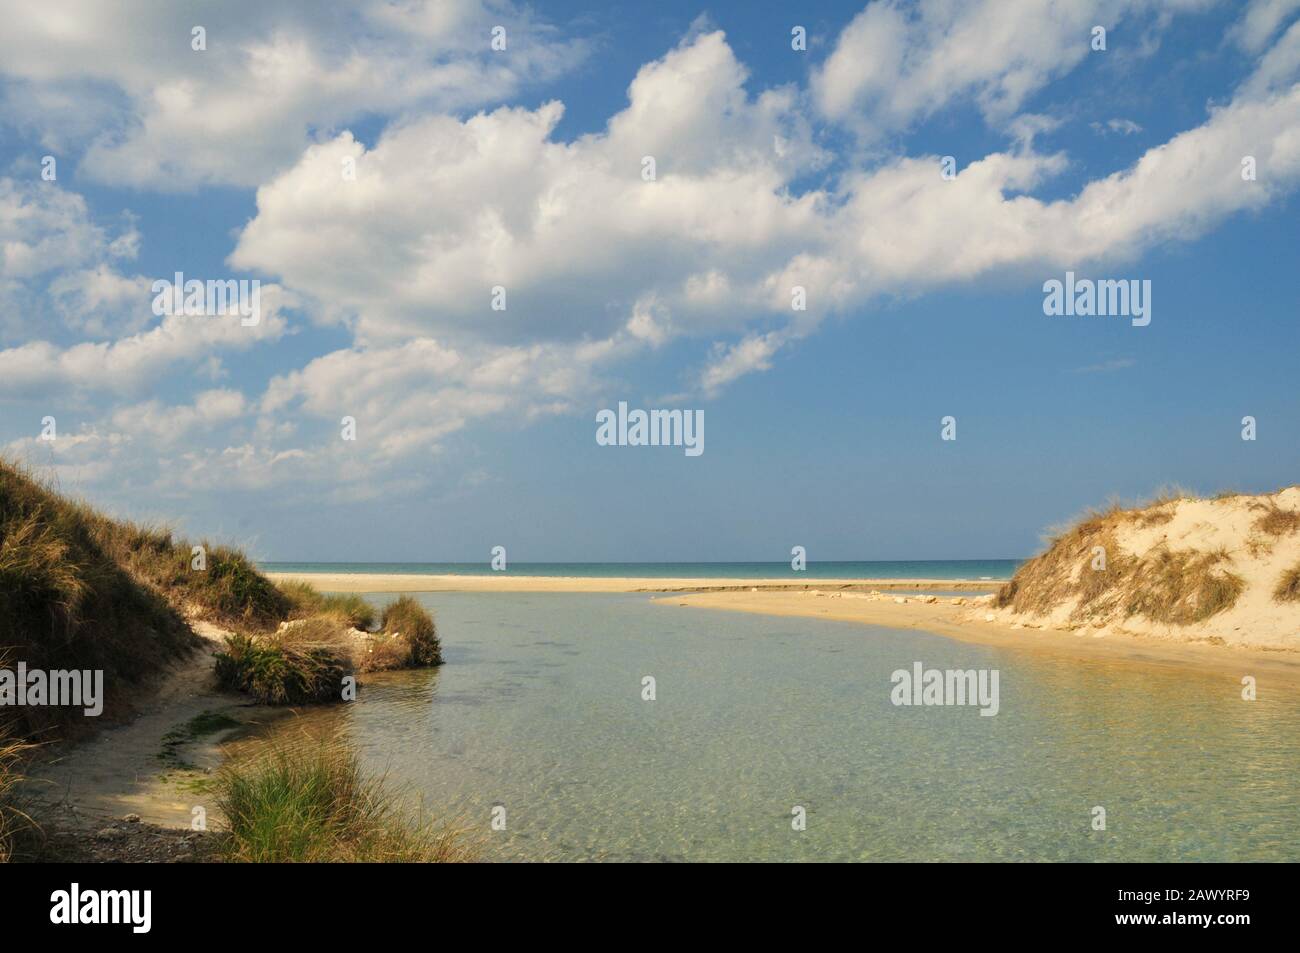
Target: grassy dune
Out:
[1222,569]
[79,590]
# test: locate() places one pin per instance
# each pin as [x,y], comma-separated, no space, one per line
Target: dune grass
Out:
[302,663]
[1275,521]
[305,600]
[69,601]
[408,620]
[313,804]
[1166,586]
[306,659]
[1288,586]
[13,820]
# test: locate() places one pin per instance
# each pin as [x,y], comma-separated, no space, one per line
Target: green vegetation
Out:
[408,621]
[70,598]
[313,804]
[306,659]
[306,601]
[79,590]
[200,726]
[304,662]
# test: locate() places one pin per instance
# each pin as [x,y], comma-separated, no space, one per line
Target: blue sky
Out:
[522,167]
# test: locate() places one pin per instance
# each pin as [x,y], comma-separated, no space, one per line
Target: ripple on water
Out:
[756,715]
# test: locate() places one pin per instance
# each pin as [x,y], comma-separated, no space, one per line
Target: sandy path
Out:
[119,771]
[504,582]
[1270,668]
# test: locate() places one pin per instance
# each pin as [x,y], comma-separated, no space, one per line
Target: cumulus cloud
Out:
[443,210]
[1263,17]
[601,262]
[129,364]
[592,255]
[900,62]
[50,242]
[270,77]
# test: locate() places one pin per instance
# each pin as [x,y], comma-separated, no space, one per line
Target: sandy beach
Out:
[1281,668]
[504,582]
[817,598]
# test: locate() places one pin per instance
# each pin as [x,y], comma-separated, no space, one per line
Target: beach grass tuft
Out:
[313,804]
[13,820]
[304,662]
[1276,521]
[1288,586]
[306,600]
[408,620]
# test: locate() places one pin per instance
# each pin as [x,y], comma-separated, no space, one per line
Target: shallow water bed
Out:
[539,709]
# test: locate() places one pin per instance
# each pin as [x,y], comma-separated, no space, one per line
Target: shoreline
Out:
[504,582]
[1281,666]
[782,597]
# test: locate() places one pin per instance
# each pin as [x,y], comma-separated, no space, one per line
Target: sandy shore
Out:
[816,598]
[504,582]
[122,769]
[1270,668]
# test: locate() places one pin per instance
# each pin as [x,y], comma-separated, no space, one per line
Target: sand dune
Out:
[1185,570]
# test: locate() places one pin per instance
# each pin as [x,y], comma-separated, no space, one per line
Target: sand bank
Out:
[1270,668]
[504,582]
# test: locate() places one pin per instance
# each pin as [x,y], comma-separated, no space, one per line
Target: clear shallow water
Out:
[870,569]
[539,708]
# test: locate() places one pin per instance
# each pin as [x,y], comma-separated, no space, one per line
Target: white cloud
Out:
[164,424]
[128,364]
[897,63]
[443,210]
[599,265]
[592,256]
[272,75]
[47,235]
[1253,31]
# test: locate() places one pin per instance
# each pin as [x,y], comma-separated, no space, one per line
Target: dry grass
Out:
[13,820]
[1288,586]
[307,659]
[1275,521]
[1181,588]
[1165,586]
[68,602]
[313,804]
[302,663]
[408,620]
[305,600]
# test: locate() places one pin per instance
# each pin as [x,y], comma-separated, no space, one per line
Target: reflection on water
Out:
[539,708]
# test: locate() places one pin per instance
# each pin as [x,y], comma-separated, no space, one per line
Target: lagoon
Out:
[539,709]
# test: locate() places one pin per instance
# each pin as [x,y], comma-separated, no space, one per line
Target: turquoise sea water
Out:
[872,569]
[539,709]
